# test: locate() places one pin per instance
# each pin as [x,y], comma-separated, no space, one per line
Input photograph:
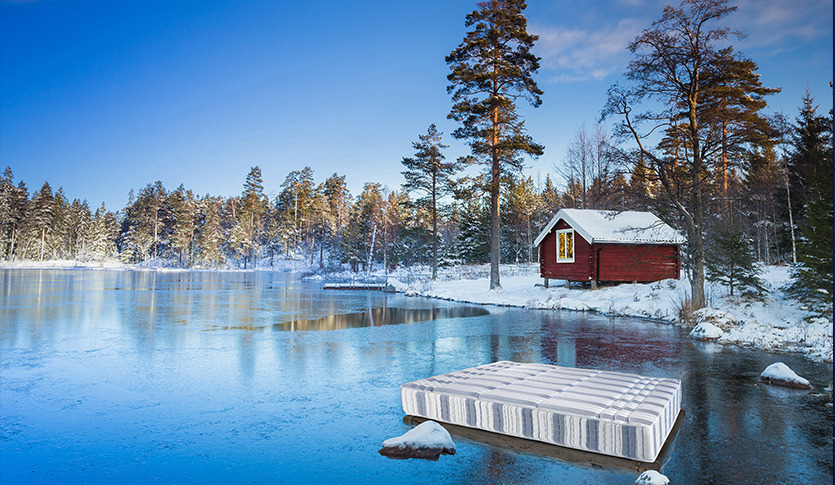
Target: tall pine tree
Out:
[491,69]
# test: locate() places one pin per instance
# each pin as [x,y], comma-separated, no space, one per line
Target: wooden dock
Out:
[354,286]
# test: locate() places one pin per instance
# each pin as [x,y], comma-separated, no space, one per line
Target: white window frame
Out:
[573,247]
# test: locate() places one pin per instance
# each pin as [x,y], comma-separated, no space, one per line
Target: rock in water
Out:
[651,477]
[428,440]
[779,374]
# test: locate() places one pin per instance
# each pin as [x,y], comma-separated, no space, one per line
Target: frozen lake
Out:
[121,376]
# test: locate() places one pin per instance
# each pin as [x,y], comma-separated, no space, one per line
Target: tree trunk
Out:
[43,241]
[371,249]
[495,235]
[697,243]
[434,228]
[725,169]
[791,220]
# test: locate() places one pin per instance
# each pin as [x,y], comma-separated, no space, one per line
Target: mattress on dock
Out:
[612,413]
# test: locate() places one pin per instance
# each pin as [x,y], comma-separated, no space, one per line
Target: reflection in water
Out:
[101,367]
[374,317]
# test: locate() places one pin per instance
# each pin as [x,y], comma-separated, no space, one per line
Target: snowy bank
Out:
[776,323]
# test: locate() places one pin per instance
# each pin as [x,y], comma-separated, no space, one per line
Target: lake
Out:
[218,377]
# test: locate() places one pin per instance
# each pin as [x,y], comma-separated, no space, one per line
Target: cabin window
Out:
[565,246]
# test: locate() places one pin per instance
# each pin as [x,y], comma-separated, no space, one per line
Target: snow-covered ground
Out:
[776,323]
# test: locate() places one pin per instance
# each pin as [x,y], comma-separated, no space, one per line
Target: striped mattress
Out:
[612,413]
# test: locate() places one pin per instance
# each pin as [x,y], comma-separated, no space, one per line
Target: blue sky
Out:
[99,97]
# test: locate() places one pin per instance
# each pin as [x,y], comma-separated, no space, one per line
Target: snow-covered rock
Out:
[428,441]
[779,374]
[706,331]
[651,477]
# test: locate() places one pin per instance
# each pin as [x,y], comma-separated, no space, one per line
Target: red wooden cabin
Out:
[608,246]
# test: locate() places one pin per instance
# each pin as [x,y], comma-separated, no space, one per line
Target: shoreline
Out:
[774,323]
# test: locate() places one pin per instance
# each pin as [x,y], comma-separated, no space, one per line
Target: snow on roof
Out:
[623,227]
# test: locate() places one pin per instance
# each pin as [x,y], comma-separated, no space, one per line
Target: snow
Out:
[427,434]
[651,477]
[428,440]
[774,323]
[779,371]
[597,226]
[706,331]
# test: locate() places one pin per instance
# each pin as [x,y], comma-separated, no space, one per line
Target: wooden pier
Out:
[354,286]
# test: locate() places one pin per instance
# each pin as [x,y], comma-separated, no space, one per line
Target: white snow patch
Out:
[781,372]
[427,434]
[652,477]
[706,331]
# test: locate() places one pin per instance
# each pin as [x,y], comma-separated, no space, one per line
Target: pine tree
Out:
[732,104]
[427,172]
[473,242]
[336,212]
[521,204]
[731,260]
[249,225]
[811,164]
[147,223]
[184,210]
[211,235]
[293,205]
[491,69]
[101,242]
[41,218]
[13,208]
[677,75]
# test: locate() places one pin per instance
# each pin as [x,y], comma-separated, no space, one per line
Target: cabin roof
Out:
[621,227]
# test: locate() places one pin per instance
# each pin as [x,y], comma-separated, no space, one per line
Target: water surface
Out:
[119,376]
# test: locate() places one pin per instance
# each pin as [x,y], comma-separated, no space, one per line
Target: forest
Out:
[746,186]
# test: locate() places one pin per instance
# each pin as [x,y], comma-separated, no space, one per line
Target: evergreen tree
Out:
[491,69]
[473,242]
[521,204]
[146,225]
[732,104]
[101,245]
[249,224]
[184,210]
[731,260]
[42,206]
[427,172]
[810,145]
[811,158]
[337,208]
[550,197]
[13,208]
[294,207]
[211,235]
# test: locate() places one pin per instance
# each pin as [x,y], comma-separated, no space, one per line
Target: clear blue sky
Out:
[99,97]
